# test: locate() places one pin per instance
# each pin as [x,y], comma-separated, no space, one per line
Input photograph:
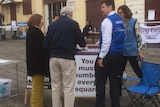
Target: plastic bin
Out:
[5,87]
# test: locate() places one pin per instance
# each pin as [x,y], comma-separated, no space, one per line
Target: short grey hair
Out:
[66,11]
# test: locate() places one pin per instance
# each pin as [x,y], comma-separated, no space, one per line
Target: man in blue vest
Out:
[108,63]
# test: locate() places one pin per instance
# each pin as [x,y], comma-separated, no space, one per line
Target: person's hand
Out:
[141,55]
[97,43]
[100,62]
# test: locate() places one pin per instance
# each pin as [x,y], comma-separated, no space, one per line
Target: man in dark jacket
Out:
[62,37]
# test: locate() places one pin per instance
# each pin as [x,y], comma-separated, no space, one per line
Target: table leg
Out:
[25,96]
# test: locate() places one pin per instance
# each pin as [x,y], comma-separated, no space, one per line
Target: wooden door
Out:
[94,14]
[13,11]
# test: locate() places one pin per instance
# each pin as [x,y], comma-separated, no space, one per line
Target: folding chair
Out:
[148,86]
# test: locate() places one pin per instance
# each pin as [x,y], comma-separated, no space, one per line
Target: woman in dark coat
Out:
[37,59]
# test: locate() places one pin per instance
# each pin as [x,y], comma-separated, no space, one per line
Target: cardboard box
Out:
[5,87]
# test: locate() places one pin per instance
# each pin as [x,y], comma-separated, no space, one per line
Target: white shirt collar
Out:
[111,13]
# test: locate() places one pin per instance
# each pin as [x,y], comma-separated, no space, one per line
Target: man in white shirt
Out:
[108,63]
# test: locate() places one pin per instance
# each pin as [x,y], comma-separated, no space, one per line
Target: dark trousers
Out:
[133,60]
[111,69]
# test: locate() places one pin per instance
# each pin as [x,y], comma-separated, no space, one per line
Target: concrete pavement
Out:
[15,50]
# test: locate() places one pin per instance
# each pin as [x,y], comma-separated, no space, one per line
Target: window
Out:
[54,9]
[149,5]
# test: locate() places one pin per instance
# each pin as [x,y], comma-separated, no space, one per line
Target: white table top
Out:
[6,61]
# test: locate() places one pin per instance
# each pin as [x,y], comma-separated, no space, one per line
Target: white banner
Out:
[150,34]
[85,77]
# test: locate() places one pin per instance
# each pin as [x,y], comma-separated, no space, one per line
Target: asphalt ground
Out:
[15,50]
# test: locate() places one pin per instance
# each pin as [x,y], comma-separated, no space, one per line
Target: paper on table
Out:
[8,28]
